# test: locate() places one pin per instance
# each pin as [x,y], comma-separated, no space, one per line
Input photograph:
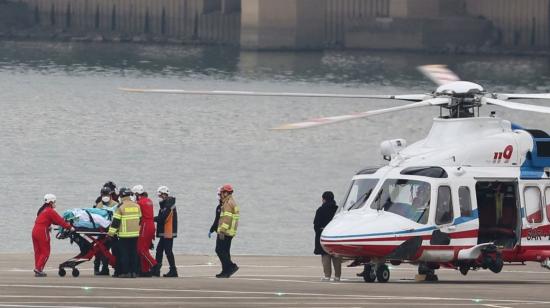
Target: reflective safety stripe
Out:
[228,214]
[126,221]
[225,226]
[131,210]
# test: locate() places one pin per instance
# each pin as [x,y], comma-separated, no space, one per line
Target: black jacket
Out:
[323,216]
[214,227]
[165,230]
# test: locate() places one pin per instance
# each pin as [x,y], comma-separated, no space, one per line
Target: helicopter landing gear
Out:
[369,274]
[429,273]
[379,272]
[497,264]
[464,269]
[492,259]
[382,273]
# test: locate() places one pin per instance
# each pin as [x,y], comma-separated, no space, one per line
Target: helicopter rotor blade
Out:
[335,119]
[505,96]
[438,73]
[516,106]
[407,97]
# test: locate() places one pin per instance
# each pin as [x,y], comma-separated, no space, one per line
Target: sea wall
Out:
[295,24]
[211,21]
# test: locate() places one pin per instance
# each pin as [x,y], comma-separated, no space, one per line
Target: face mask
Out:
[105,199]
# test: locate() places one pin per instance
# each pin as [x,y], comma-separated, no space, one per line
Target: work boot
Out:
[104,272]
[173,272]
[232,271]
[155,270]
[221,275]
[146,274]
[38,273]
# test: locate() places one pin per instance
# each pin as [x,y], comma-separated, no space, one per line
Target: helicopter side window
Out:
[465,201]
[407,198]
[358,193]
[533,207]
[444,211]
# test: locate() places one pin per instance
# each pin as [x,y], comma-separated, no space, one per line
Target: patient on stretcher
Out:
[89,218]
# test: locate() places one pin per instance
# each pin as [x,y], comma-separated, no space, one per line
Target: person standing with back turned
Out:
[167,230]
[146,233]
[323,216]
[125,224]
[227,229]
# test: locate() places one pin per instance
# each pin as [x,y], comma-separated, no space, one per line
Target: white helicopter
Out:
[475,193]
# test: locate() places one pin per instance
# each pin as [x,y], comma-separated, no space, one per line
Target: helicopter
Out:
[473,194]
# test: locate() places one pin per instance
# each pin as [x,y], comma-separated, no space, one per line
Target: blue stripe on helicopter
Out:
[457,221]
[533,167]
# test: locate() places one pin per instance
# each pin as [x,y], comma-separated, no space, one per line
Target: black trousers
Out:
[165,246]
[127,253]
[101,259]
[223,250]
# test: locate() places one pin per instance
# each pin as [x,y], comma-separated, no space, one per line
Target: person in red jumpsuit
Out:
[46,216]
[146,233]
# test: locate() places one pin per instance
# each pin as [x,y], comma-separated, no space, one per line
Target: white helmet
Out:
[49,198]
[163,190]
[138,189]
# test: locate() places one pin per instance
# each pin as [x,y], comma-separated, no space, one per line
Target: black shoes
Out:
[104,272]
[172,273]
[230,273]
[38,273]
[155,270]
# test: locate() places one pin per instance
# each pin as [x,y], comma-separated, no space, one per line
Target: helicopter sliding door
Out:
[497,203]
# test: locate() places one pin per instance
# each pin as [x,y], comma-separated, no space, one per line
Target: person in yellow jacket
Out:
[125,226]
[227,229]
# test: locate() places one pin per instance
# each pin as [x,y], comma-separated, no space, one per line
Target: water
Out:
[66,129]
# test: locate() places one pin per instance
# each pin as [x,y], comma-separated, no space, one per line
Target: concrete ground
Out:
[268,282]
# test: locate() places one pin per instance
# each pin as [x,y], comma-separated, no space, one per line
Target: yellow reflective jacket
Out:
[229,217]
[126,220]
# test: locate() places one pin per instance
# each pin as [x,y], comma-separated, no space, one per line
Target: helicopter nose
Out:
[357,235]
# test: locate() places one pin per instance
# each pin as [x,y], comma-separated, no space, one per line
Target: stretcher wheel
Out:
[62,272]
[75,272]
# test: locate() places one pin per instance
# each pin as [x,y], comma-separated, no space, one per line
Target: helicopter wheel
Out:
[369,275]
[496,265]
[464,269]
[382,273]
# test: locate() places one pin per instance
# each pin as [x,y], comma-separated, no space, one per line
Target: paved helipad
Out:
[268,282]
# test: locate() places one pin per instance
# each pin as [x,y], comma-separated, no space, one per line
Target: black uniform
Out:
[214,227]
[323,216]
[167,230]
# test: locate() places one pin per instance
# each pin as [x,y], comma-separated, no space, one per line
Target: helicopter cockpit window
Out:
[358,193]
[407,198]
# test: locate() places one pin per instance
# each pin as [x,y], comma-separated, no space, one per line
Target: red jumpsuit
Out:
[146,234]
[41,235]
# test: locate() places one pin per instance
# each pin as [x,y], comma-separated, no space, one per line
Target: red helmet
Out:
[227,188]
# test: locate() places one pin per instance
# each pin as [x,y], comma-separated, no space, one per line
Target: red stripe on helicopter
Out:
[455,235]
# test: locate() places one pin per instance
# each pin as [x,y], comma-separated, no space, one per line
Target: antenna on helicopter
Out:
[459,98]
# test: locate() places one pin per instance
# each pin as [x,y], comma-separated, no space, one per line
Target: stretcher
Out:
[91,242]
